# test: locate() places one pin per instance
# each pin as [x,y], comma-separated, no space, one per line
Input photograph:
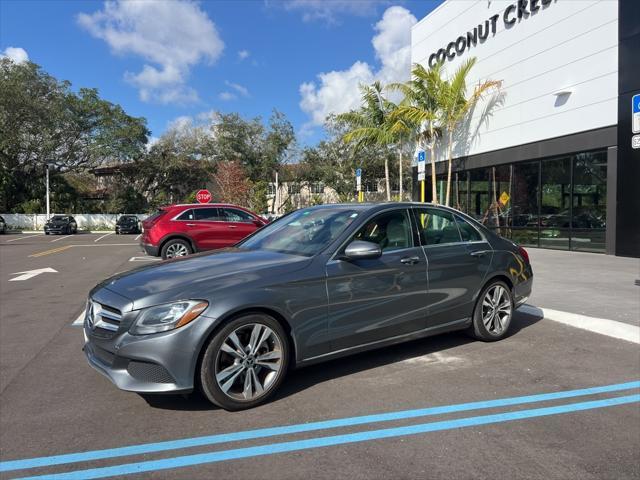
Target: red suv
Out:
[178,230]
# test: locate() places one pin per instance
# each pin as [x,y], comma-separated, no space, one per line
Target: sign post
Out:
[359,184]
[203,196]
[421,172]
[635,113]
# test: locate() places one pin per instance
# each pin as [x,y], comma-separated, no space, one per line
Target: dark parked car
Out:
[3,225]
[179,230]
[64,224]
[317,284]
[127,224]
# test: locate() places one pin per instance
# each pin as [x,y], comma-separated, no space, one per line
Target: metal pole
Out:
[276,207]
[47,191]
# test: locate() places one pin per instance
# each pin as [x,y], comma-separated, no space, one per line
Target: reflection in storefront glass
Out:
[537,203]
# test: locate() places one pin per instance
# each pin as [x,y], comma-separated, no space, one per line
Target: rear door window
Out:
[235,215]
[436,227]
[467,231]
[208,213]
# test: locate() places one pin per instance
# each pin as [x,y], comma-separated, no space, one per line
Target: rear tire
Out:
[175,248]
[493,312]
[245,362]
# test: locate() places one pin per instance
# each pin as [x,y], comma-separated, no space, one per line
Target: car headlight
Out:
[167,317]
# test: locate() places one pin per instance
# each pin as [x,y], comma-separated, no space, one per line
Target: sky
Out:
[177,61]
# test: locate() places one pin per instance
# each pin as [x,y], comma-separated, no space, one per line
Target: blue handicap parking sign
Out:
[421,156]
[635,103]
[358,172]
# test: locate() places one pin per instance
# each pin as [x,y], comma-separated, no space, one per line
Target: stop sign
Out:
[203,196]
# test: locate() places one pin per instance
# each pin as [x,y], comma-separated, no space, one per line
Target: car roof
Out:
[197,205]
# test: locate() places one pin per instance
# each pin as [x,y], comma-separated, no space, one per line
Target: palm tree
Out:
[370,125]
[455,106]
[421,108]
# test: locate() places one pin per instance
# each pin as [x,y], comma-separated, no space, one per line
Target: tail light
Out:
[523,253]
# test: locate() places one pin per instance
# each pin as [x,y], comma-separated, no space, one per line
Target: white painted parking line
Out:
[139,235]
[78,321]
[145,259]
[602,326]
[61,238]
[27,236]
[100,238]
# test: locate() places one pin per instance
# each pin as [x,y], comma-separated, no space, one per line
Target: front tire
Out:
[493,312]
[245,362]
[175,248]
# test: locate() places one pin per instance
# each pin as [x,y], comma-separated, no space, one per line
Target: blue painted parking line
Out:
[212,457]
[300,428]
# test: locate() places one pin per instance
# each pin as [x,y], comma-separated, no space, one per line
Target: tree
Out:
[173,167]
[43,122]
[231,184]
[421,108]
[455,106]
[371,125]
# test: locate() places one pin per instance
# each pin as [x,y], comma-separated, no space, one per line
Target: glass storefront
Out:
[555,203]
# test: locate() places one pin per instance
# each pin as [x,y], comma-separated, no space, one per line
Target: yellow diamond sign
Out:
[504,198]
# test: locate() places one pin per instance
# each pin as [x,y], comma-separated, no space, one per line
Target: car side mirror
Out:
[360,250]
[258,223]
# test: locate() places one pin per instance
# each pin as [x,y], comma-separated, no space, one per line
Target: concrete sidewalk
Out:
[591,284]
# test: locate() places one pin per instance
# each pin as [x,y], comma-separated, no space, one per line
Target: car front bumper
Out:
[157,363]
[56,229]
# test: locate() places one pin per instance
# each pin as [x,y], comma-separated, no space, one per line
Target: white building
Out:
[556,137]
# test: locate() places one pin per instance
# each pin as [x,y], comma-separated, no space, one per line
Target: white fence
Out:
[86,221]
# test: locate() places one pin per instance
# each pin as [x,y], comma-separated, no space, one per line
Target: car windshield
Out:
[305,232]
[58,218]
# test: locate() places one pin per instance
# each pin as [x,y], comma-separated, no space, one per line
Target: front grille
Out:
[104,317]
[149,372]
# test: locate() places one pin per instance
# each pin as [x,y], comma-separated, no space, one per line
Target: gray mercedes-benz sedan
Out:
[319,283]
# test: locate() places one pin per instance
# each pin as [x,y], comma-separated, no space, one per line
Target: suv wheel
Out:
[493,312]
[175,248]
[245,362]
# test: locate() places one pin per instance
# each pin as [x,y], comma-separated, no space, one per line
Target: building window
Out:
[479,194]
[293,188]
[271,189]
[555,213]
[317,188]
[525,203]
[589,202]
[371,186]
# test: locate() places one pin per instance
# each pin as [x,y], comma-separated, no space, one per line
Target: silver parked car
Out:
[319,283]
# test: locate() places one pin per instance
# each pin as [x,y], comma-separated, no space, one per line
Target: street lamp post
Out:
[47,170]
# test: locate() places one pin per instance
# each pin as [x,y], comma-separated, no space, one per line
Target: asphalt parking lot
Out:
[549,401]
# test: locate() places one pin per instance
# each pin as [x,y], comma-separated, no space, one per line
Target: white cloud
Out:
[243,54]
[15,54]
[173,36]
[338,91]
[227,96]
[329,11]
[239,90]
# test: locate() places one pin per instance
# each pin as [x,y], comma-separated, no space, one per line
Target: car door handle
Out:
[409,260]
[191,224]
[478,253]
[232,226]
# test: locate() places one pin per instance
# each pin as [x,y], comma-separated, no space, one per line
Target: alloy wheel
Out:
[496,309]
[248,362]
[177,250]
